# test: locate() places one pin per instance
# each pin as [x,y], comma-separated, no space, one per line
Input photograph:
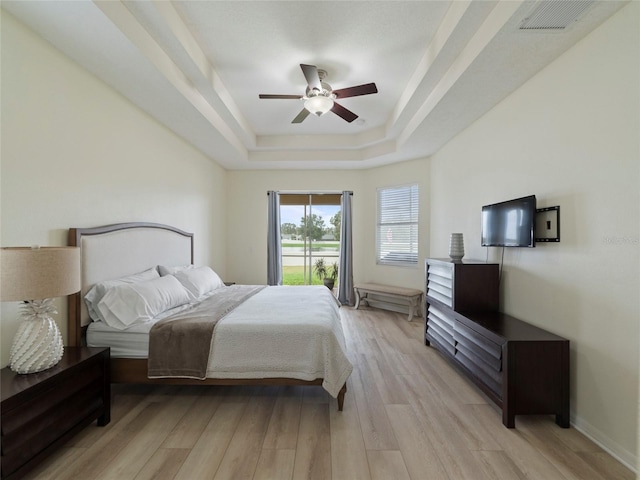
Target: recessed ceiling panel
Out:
[257,47]
[199,66]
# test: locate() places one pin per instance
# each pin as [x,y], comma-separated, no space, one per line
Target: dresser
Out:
[522,368]
[41,411]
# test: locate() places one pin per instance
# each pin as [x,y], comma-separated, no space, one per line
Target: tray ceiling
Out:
[198,67]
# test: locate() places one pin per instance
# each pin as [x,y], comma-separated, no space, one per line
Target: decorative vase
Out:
[38,344]
[456,247]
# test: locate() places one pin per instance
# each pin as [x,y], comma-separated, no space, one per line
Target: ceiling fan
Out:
[319,97]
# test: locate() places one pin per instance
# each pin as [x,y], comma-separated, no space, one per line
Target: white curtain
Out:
[274,245]
[345,272]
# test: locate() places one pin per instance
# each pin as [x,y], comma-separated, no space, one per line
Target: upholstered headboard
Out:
[118,250]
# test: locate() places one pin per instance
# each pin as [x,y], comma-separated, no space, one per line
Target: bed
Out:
[294,334]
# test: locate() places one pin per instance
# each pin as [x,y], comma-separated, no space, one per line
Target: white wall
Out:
[247,219]
[569,136]
[77,154]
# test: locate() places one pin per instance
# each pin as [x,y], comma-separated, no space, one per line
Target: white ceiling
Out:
[198,67]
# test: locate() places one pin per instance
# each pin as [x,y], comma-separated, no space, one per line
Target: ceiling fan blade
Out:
[311,74]
[285,97]
[366,89]
[304,113]
[346,114]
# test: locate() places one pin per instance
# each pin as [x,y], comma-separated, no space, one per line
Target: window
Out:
[310,231]
[397,227]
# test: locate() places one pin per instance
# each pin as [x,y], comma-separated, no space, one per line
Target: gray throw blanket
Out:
[179,345]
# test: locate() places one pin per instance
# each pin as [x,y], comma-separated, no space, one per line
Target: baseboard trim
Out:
[627,458]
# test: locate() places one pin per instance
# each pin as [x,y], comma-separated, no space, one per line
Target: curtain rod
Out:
[312,193]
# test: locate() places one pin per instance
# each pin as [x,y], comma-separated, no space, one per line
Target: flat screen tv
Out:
[510,223]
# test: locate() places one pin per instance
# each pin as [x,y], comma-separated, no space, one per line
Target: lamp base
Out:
[38,344]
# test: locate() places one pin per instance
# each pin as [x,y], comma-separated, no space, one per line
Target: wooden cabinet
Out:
[41,411]
[469,286]
[522,368]
[463,286]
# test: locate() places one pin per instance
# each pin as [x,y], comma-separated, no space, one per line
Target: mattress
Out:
[130,343]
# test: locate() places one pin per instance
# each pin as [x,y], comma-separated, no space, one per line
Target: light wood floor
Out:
[407,415]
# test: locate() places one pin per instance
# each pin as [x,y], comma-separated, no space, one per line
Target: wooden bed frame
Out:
[144,254]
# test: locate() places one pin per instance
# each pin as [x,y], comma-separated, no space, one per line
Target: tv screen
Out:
[510,223]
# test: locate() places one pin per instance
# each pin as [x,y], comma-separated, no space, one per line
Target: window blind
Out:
[397,225]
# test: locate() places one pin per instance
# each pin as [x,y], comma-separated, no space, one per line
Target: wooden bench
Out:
[410,297]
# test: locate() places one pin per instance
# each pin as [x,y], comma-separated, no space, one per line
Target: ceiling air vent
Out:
[554,14]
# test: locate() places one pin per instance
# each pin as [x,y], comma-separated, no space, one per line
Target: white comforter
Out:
[291,332]
[286,331]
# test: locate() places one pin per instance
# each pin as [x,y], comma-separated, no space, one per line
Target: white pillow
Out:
[131,303]
[199,281]
[93,297]
[164,270]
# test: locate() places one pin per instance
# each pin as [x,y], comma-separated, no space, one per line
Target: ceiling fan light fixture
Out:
[319,97]
[319,104]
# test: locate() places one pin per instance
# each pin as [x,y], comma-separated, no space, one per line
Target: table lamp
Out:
[36,275]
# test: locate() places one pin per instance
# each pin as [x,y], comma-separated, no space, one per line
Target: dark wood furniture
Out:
[41,411]
[522,368]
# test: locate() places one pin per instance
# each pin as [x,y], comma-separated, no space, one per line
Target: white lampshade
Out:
[35,273]
[319,105]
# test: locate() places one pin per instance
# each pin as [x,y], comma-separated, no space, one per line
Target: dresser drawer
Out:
[491,379]
[442,343]
[484,349]
[439,292]
[488,370]
[479,343]
[440,283]
[434,329]
[21,445]
[50,399]
[442,318]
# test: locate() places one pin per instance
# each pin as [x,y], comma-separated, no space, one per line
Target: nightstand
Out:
[41,411]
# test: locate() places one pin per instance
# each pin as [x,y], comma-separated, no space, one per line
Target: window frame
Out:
[412,191]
